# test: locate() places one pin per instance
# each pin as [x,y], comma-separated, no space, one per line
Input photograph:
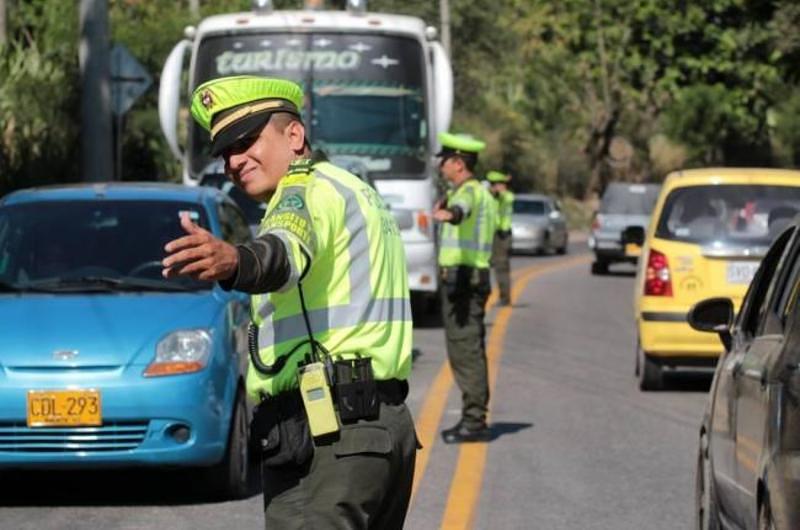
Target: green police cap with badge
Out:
[497,176]
[232,108]
[459,144]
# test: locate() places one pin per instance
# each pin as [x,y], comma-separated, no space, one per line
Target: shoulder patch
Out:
[292,201]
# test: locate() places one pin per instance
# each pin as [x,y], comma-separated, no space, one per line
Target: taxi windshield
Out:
[729,215]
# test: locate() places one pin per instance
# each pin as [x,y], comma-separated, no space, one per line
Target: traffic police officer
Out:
[327,274]
[501,247]
[468,219]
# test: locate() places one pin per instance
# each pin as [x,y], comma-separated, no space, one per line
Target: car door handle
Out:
[756,374]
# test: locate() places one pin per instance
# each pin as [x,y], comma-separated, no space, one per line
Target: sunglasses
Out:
[241,145]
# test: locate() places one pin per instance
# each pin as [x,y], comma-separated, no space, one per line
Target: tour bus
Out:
[378,89]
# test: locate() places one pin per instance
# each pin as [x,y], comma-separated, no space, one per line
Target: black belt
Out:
[390,391]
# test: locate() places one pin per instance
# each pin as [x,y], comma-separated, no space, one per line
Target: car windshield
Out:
[364,93]
[728,215]
[629,199]
[529,207]
[92,245]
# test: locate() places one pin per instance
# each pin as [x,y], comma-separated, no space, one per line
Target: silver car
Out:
[623,205]
[538,225]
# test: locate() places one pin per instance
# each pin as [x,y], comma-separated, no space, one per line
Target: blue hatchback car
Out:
[103,362]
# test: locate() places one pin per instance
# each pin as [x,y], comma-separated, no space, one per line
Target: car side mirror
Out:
[714,315]
[555,214]
[633,234]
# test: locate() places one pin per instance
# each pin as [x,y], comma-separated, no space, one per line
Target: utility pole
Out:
[3,36]
[194,8]
[444,14]
[93,56]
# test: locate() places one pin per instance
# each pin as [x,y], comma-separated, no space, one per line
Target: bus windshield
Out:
[364,94]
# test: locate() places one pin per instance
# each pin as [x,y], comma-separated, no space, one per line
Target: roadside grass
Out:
[577,212]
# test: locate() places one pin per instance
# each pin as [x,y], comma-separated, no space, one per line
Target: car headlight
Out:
[181,352]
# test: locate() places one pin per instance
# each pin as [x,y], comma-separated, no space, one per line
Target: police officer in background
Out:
[501,247]
[331,341]
[468,218]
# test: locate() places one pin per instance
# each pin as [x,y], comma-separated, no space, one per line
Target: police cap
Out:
[497,176]
[459,144]
[232,108]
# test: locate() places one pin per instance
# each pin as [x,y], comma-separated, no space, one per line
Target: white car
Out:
[538,225]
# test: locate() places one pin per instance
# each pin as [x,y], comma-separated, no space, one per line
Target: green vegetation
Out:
[570,95]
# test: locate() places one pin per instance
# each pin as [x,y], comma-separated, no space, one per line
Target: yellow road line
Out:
[466,482]
[430,415]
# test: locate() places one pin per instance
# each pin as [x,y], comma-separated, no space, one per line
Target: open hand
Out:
[199,254]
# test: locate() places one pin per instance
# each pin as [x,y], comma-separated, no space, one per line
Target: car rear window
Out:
[629,199]
[114,239]
[529,207]
[728,215]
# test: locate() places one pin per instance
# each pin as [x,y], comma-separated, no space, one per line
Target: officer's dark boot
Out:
[459,433]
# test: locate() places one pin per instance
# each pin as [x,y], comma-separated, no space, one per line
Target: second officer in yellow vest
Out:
[331,340]
[468,220]
[501,247]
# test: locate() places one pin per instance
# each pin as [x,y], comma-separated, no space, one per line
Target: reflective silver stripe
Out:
[294,267]
[362,307]
[327,318]
[480,214]
[358,247]
[468,245]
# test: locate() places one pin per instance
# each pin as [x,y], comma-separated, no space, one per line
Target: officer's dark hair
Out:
[281,120]
[470,160]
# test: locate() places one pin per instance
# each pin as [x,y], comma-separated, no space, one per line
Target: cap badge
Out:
[206,99]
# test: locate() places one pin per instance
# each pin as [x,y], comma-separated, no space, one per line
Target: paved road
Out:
[576,445]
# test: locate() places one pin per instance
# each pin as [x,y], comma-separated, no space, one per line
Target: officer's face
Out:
[257,164]
[450,167]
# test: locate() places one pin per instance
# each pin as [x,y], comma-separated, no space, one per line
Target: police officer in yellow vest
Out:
[331,341]
[501,247]
[468,220]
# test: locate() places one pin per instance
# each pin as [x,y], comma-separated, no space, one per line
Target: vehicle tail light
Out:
[423,222]
[657,279]
[596,223]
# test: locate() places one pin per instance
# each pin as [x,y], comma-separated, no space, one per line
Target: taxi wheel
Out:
[651,376]
[706,512]
[232,478]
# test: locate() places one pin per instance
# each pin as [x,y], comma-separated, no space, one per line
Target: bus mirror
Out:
[443,95]
[169,95]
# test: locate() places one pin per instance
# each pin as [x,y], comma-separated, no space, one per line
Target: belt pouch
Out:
[355,389]
[280,429]
[457,281]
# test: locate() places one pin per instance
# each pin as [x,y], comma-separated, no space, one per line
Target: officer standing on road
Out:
[501,247]
[469,217]
[331,341]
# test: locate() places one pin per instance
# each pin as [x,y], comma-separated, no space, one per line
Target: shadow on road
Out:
[682,381]
[501,428]
[105,488]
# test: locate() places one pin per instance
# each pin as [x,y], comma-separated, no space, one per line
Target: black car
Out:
[748,463]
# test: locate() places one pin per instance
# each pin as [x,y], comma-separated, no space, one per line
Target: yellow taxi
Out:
[707,234]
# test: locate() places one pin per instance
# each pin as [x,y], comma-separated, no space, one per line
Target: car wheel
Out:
[599,267]
[706,511]
[232,478]
[545,248]
[563,249]
[765,521]
[651,376]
